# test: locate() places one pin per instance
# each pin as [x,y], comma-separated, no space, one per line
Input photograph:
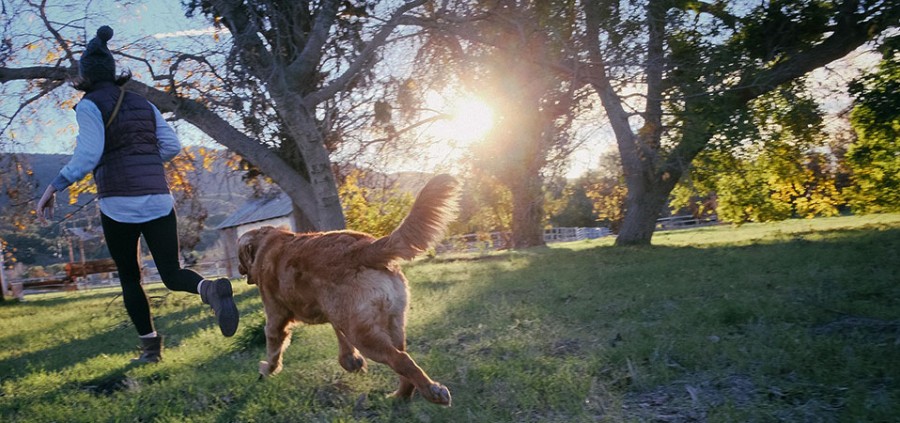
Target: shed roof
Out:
[259,209]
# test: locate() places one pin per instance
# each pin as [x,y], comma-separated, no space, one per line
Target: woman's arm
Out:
[88,150]
[169,146]
[44,209]
[88,146]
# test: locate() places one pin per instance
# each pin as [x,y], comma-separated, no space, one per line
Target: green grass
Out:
[793,321]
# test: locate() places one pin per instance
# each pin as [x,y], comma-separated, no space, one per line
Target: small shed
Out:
[273,210]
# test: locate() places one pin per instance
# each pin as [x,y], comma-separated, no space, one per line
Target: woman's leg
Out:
[162,239]
[122,240]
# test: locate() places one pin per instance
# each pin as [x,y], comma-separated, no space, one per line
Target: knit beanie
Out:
[97,63]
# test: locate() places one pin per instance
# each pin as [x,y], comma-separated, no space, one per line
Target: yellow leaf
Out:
[51,56]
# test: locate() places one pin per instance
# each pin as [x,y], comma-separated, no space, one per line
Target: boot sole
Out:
[227,315]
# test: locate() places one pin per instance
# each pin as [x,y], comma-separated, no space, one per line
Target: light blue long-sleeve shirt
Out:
[88,150]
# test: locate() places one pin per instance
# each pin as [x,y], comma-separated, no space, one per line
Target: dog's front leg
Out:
[277,339]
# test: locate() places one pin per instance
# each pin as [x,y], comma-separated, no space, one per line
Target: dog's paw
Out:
[438,394]
[353,363]
[266,370]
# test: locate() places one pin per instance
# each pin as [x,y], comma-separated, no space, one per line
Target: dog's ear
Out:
[246,254]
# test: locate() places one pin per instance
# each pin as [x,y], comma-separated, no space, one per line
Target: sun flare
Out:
[470,120]
[466,119]
[463,122]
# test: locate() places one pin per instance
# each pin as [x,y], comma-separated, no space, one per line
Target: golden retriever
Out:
[351,280]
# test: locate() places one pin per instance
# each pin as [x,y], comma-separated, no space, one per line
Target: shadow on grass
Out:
[575,332]
[128,377]
[175,326]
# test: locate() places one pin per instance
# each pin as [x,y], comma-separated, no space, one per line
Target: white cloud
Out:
[187,33]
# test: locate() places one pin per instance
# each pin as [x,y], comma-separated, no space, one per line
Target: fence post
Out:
[4,285]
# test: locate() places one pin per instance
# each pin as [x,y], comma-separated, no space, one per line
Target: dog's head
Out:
[248,246]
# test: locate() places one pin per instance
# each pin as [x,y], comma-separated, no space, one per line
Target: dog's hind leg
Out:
[278,336]
[348,356]
[405,390]
[397,330]
[376,344]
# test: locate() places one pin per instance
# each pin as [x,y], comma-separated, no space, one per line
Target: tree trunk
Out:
[321,176]
[3,287]
[521,173]
[302,222]
[528,212]
[642,208]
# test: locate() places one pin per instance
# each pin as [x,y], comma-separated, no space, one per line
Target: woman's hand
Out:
[45,205]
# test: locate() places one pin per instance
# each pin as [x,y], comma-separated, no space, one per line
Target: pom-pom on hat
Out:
[97,63]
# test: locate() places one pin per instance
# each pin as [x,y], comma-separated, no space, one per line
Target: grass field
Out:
[794,321]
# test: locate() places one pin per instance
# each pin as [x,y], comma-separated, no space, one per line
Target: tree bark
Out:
[330,215]
[528,212]
[643,205]
[525,153]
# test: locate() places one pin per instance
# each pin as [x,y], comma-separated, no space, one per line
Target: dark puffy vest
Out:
[130,165]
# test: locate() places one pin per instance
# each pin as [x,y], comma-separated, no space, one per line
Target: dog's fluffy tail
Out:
[434,208]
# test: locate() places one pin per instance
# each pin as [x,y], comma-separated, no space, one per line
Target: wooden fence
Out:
[685,222]
[490,241]
[98,274]
[75,271]
[574,234]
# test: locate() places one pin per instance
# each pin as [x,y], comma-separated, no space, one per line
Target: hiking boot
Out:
[151,350]
[219,296]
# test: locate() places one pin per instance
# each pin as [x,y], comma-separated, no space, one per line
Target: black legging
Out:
[162,238]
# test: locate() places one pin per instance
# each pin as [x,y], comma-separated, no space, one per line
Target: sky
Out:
[165,21]
[130,20]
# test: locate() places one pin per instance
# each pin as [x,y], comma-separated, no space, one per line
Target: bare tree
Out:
[265,97]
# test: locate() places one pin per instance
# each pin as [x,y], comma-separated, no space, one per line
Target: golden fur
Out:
[351,280]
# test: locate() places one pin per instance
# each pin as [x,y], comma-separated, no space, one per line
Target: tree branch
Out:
[244,32]
[851,31]
[36,72]
[56,35]
[410,128]
[50,86]
[716,9]
[145,62]
[597,77]
[368,52]
[308,60]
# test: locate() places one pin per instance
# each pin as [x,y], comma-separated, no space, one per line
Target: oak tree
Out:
[672,75]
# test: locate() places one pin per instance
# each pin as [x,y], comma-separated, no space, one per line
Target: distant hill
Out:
[45,167]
